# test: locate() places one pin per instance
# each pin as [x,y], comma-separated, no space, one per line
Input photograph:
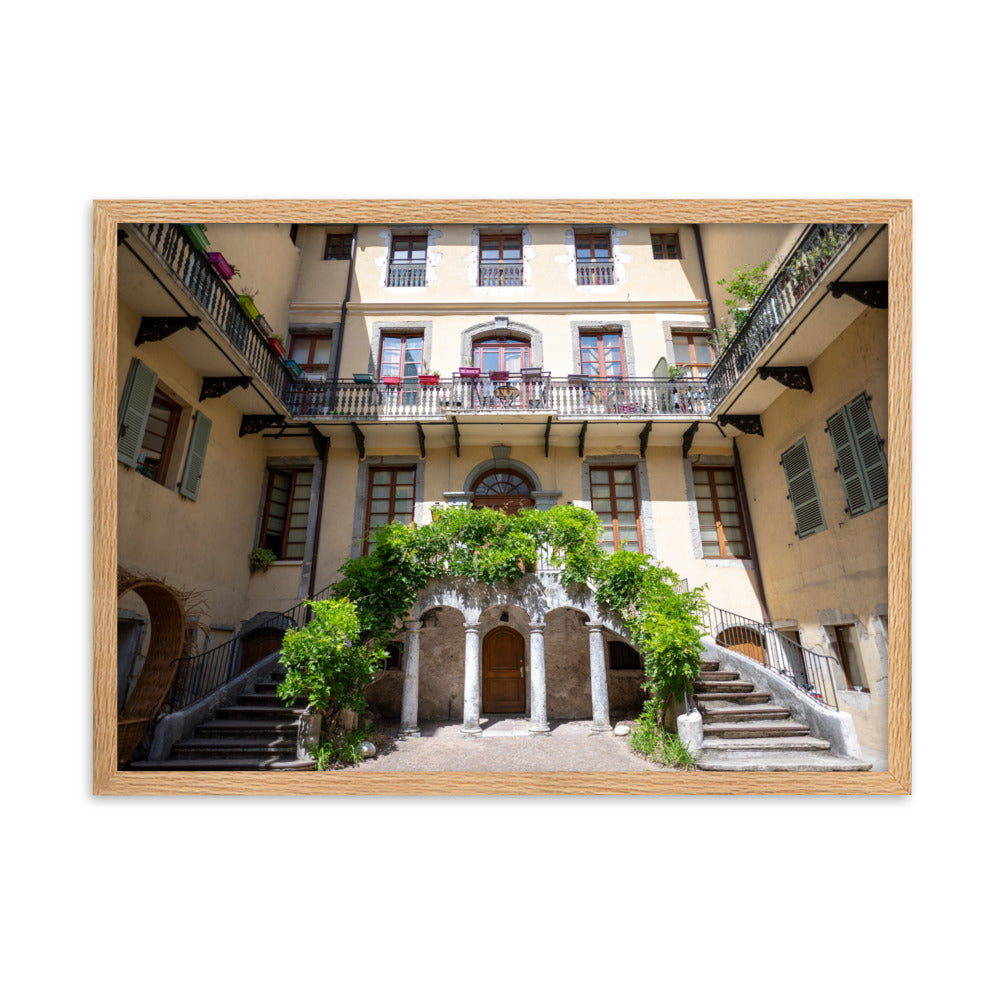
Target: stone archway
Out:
[168,628]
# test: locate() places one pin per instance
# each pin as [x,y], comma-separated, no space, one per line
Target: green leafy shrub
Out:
[650,739]
[326,660]
[261,558]
[342,748]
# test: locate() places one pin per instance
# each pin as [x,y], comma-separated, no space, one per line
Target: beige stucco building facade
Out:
[380,402]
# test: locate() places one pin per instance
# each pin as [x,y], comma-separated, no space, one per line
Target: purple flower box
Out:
[222,267]
[469,372]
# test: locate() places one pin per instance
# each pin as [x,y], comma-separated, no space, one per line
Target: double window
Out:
[500,261]
[408,262]
[401,355]
[666,246]
[693,352]
[390,498]
[286,512]
[720,520]
[594,265]
[311,350]
[601,354]
[615,500]
[158,438]
[338,246]
[501,354]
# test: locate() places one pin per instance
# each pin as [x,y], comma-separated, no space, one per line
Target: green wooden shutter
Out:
[191,479]
[847,463]
[133,411]
[802,490]
[874,467]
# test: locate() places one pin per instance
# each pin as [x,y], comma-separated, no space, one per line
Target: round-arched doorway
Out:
[503,489]
[745,640]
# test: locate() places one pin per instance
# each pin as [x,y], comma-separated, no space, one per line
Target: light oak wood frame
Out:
[897,215]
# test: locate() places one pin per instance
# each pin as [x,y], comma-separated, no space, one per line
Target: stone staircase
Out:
[745,731]
[258,733]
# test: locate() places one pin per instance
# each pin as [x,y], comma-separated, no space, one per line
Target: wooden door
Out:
[741,639]
[503,671]
[258,644]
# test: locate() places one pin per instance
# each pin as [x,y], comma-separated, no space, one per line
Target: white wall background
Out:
[98,104]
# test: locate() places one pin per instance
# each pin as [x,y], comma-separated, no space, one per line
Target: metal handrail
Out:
[808,670]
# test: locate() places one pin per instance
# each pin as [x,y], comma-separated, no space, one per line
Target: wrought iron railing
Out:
[595,274]
[186,262]
[572,396]
[819,246]
[196,677]
[811,672]
[407,275]
[497,274]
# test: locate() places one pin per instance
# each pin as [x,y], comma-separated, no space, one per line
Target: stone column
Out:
[470,727]
[598,680]
[411,679]
[539,725]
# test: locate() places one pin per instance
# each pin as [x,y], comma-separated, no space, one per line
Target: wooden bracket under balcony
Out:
[644,438]
[548,427]
[254,423]
[321,442]
[746,423]
[215,386]
[359,439]
[583,437]
[421,439]
[688,438]
[454,424]
[155,328]
[874,294]
[793,377]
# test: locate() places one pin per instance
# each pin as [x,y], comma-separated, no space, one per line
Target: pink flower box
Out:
[222,267]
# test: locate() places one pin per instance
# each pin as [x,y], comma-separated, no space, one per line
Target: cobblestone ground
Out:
[506,745]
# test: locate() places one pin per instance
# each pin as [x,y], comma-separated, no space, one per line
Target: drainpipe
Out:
[751,540]
[704,273]
[336,375]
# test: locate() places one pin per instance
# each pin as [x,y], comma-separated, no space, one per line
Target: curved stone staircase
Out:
[744,730]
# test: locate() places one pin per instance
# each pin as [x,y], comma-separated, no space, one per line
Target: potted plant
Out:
[264,326]
[363,378]
[531,372]
[246,297]
[222,266]
[391,380]
[197,235]
[277,344]
[294,368]
[577,379]
[430,378]
[499,376]
[261,558]
[469,372]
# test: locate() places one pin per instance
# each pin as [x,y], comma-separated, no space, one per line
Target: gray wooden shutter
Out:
[802,490]
[195,462]
[847,463]
[874,467]
[133,411]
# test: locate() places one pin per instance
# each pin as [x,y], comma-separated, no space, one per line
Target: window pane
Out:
[623,476]
[598,475]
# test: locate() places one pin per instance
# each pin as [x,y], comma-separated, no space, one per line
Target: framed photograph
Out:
[502,497]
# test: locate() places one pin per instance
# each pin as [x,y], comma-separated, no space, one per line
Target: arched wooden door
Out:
[503,670]
[504,489]
[258,644]
[745,640]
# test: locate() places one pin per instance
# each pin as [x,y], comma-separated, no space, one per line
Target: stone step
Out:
[244,729]
[737,698]
[272,763]
[778,761]
[755,729]
[709,664]
[207,747]
[711,686]
[743,713]
[259,712]
[799,743]
[267,699]
[718,675]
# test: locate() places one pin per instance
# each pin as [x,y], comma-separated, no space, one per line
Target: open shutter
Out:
[802,490]
[874,468]
[133,411]
[191,479]
[847,463]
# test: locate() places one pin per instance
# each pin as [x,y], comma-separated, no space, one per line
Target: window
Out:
[408,262]
[286,512]
[693,352]
[310,350]
[802,490]
[860,458]
[850,655]
[504,490]
[501,354]
[621,656]
[158,438]
[500,261]
[338,246]
[601,354]
[720,520]
[666,246]
[401,355]
[615,500]
[390,498]
[593,259]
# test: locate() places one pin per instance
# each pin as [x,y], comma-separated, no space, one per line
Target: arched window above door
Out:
[502,488]
[501,354]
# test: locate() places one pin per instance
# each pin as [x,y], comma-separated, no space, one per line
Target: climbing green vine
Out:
[487,546]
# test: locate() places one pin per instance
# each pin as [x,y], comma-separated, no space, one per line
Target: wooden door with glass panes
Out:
[390,498]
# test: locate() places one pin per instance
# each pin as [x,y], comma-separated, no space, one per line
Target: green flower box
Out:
[249,309]
[197,235]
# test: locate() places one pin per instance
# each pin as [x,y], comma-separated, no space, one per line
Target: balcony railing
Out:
[187,263]
[501,274]
[626,398]
[595,274]
[407,275]
[806,264]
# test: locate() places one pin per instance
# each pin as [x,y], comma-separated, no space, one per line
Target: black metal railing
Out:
[501,274]
[595,274]
[196,677]
[811,672]
[572,396]
[407,275]
[190,265]
[819,246]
